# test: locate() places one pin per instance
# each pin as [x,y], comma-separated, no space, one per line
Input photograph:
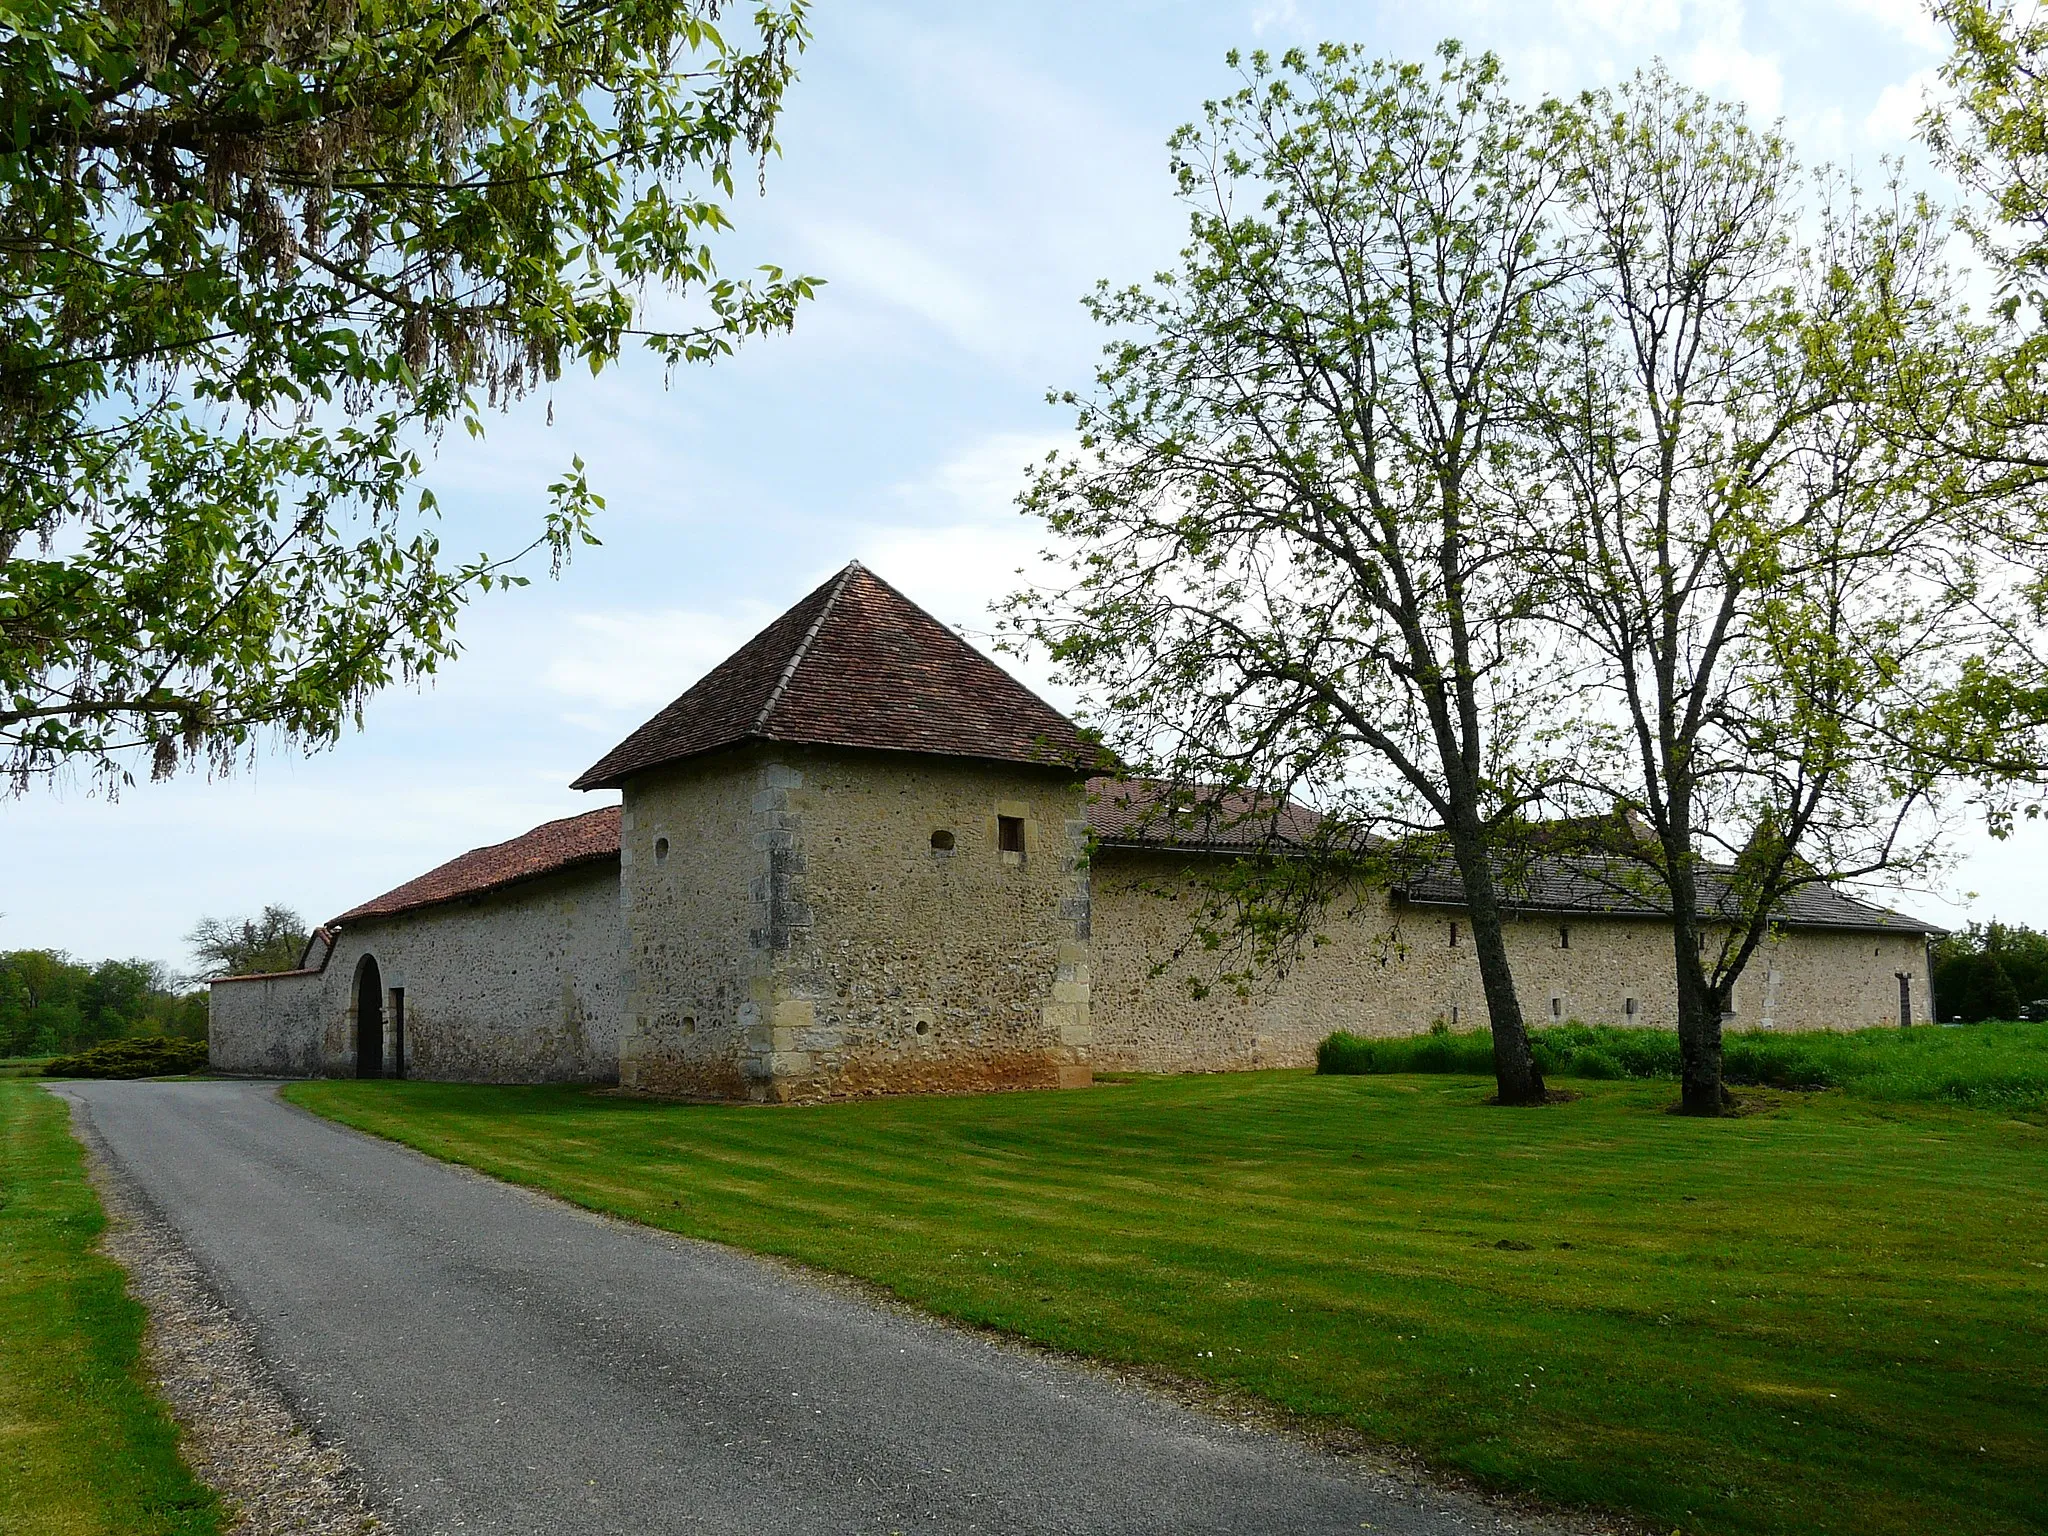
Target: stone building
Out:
[858,857]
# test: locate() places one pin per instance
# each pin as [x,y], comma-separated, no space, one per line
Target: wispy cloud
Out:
[1910,21]
[613,663]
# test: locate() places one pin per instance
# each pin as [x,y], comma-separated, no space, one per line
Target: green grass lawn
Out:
[85,1447]
[1830,1315]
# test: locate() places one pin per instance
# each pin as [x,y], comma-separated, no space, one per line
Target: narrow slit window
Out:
[1564,938]
[1454,935]
[1557,1007]
[1010,834]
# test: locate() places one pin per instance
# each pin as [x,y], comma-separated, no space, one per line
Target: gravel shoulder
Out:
[237,1431]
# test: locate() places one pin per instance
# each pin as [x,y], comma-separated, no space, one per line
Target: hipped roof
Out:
[855,664]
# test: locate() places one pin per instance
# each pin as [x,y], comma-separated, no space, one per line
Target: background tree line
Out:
[51,1003]
[1991,970]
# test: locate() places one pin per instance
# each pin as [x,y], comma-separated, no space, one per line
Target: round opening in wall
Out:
[660,849]
[942,842]
[689,1026]
[924,1026]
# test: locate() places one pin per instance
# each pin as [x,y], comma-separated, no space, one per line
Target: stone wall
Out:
[804,935]
[1392,970]
[268,1026]
[690,875]
[522,985]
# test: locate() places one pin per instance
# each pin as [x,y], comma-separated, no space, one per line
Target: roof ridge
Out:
[803,648]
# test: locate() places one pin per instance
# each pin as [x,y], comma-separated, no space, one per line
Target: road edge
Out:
[237,1429]
[1397,1472]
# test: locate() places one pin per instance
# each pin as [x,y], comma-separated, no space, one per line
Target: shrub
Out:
[1437,1051]
[1985,1066]
[141,1056]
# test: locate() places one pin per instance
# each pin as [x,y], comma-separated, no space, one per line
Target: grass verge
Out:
[1824,1316]
[1982,1066]
[85,1448]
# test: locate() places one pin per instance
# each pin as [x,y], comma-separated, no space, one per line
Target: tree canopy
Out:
[1778,584]
[50,1002]
[255,254]
[1991,970]
[1483,471]
[1305,505]
[247,946]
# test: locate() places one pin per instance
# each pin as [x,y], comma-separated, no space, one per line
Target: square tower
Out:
[853,861]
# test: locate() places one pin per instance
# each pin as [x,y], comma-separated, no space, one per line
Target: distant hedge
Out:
[1993,1066]
[139,1056]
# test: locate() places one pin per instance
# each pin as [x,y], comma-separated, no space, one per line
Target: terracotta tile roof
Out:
[1612,887]
[1148,813]
[553,846]
[855,664]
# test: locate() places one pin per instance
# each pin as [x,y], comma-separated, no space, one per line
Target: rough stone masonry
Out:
[858,857]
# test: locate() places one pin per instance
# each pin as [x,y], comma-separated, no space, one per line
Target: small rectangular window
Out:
[1557,1007]
[1454,935]
[1010,834]
[1630,1007]
[1564,938]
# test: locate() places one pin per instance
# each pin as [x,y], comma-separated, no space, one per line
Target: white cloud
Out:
[1276,15]
[970,547]
[899,273]
[1897,113]
[624,660]
[1720,63]
[960,546]
[1911,21]
[1626,23]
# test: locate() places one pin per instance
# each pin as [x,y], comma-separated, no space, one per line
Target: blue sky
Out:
[960,175]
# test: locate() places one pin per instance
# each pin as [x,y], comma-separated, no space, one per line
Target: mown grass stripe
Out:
[1667,1343]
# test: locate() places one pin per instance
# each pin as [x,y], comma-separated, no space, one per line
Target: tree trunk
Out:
[1700,1004]
[1514,1064]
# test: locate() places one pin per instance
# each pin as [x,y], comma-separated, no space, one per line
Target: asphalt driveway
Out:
[497,1362]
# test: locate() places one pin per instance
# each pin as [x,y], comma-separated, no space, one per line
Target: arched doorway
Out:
[369,1018]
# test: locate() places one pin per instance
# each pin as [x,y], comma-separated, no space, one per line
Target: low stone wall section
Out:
[269,1026]
[1386,969]
[519,986]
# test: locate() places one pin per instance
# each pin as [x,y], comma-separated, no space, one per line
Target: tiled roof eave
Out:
[1228,850]
[826,743]
[854,665]
[358,916]
[1655,914]
[1567,909]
